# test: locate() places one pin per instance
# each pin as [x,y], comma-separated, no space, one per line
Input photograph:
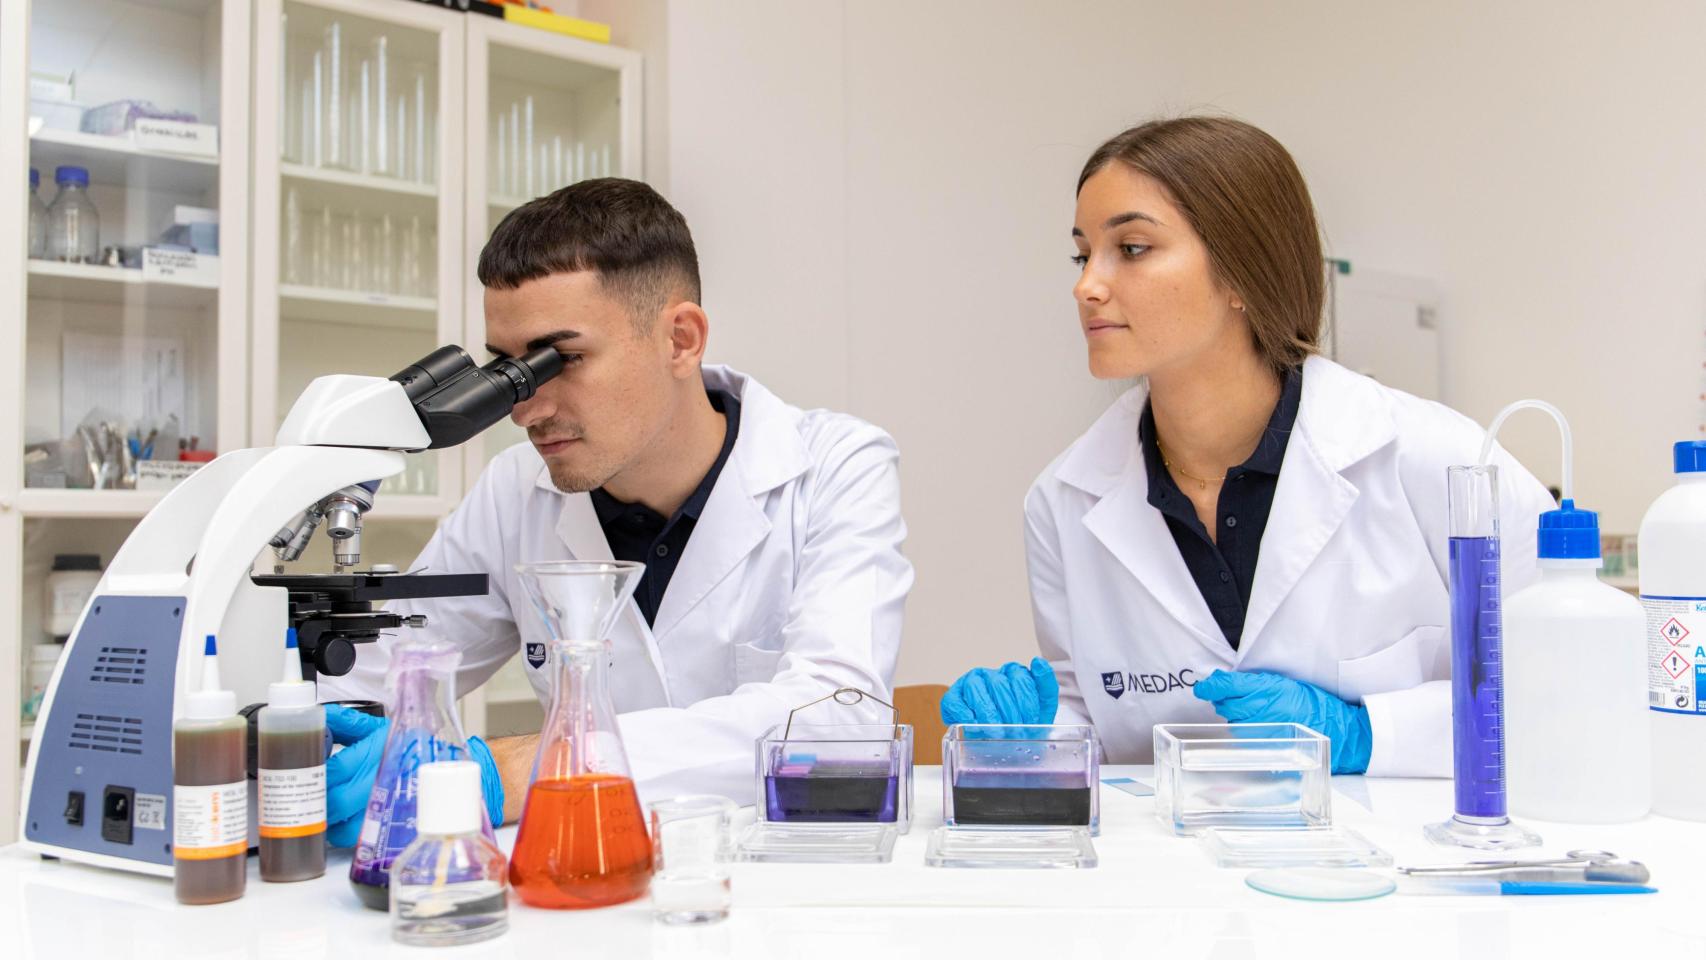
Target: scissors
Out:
[1576,865]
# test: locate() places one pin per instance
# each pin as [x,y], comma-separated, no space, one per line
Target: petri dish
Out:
[1321,883]
[1303,847]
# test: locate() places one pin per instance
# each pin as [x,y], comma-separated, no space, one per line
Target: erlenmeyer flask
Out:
[422,708]
[582,841]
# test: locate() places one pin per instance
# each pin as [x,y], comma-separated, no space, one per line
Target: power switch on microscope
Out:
[116,821]
[74,808]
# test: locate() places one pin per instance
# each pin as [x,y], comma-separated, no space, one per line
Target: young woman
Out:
[1252,531]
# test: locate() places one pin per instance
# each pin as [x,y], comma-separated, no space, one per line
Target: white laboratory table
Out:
[1154,895]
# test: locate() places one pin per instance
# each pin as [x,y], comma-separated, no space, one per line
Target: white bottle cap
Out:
[210,705]
[448,797]
[291,693]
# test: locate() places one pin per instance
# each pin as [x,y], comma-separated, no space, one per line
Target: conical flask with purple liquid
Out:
[421,705]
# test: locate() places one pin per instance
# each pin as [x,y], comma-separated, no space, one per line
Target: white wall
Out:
[881,192]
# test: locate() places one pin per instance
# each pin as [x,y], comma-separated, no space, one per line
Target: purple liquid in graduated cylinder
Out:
[1477,677]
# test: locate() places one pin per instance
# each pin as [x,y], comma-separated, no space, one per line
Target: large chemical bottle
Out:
[1575,658]
[1673,590]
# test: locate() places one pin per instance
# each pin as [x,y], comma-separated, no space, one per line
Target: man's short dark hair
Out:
[622,230]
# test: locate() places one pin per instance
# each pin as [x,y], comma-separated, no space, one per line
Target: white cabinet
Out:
[356,176]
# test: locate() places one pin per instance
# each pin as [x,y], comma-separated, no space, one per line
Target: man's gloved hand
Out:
[350,772]
[1271,698]
[1013,694]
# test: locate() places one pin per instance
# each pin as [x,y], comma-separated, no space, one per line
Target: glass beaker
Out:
[1479,819]
[582,841]
[422,709]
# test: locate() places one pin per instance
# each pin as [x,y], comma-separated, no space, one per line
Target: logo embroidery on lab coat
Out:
[536,655]
[1118,683]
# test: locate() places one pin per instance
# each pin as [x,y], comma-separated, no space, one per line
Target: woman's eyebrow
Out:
[1120,219]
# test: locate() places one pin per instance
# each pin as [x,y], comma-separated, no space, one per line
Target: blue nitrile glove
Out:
[350,772]
[1271,698]
[1013,694]
[491,784]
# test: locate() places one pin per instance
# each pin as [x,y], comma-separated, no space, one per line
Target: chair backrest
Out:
[920,705]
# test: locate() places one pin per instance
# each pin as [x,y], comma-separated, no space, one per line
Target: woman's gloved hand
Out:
[1270,698]
[1012,694]
[350,772]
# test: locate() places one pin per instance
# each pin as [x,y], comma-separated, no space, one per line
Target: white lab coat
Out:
[791,586]
[1350,587]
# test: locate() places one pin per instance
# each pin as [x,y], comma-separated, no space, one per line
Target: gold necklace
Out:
[1202,484]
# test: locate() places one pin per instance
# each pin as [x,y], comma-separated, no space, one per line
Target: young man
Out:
[771,535]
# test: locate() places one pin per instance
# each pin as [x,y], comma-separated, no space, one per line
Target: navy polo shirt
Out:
[1225,568]
[637,532]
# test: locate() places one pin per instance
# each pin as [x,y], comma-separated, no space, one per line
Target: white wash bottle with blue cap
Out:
[1577,742]
[1673,591]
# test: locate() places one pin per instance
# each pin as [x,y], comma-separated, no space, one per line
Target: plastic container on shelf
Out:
[43,658]
[38,217]
[73,224]
[1575,685]
[68,588]
[1673,591]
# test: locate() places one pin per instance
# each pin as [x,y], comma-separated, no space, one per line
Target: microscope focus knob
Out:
[334,657]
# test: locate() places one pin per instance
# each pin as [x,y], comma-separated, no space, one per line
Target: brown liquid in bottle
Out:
[300,857]
[209,753]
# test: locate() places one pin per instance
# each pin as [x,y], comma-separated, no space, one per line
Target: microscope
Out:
[98,782]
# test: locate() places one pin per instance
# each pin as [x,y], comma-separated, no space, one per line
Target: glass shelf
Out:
[90,283]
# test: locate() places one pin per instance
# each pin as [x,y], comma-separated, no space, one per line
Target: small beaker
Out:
[690,854]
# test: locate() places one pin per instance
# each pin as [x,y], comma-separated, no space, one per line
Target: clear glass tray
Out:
[1306,847]
[768,842]
[1243,775]
[1010,847]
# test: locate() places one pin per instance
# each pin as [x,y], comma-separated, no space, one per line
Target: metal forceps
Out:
[1576,865]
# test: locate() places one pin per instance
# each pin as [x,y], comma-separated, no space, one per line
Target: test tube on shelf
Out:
[381,135]
[556,162]
[335,149]
[400,152]
[286,83]
[580,161]
[527,145]
[409,279]
[423,166]
[515,148]
[363,115]
[292,237]
[502,168]
[317,128]
[604,160]
[328,271]
[387,257]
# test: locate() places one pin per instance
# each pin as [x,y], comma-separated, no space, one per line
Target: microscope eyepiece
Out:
[456,399]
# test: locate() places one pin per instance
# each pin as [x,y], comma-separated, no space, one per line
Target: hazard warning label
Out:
[1676,653]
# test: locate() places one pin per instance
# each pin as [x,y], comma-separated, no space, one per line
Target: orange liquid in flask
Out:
[582,843]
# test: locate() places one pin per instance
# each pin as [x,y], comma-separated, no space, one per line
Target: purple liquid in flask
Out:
[1477,677]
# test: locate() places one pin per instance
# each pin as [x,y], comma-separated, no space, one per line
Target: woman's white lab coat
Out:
[1350,586]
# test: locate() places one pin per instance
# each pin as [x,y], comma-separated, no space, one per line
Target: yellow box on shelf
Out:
[557,23]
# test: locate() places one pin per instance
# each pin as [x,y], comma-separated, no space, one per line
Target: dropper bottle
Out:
[210,792]
[291,775]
